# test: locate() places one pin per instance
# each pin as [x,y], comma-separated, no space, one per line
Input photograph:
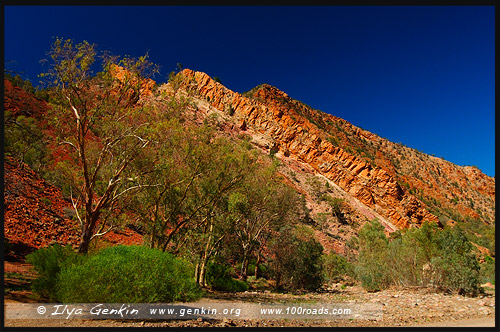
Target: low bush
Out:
[218,277]
[128,274]
[336,268]
[258,283]
[487,272]
[425,256]
[48,263]
[456,265]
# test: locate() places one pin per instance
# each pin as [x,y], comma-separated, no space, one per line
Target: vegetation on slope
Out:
[125,152]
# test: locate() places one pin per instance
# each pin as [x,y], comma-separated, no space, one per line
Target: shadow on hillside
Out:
[16,252]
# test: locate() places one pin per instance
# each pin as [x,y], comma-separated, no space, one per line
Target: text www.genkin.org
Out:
[185,312]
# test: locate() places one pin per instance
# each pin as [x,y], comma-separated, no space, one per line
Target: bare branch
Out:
[135,187]
[75,207]
[69,143]
[103,233]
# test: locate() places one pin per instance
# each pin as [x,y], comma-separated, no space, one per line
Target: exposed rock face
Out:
[123,75]
[296,130]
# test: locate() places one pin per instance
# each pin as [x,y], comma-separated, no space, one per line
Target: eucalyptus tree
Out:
[101,129]
[263,204]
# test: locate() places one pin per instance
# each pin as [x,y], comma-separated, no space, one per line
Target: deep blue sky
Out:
[419,75]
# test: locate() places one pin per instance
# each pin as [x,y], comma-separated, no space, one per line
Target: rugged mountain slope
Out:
[347,175]
[403,186]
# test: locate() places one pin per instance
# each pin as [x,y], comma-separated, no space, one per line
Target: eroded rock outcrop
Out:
[295,135]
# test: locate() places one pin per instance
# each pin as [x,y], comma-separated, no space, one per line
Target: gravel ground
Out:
[401,307]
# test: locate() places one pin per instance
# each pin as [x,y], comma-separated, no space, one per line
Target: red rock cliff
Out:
[295,135]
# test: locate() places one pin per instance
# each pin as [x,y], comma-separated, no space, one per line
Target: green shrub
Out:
[128,274]
[25,141]
[425,256]
[262,270]
[336,267]
[333,140]
[297,263]
[371,267]
[48,262]
[456,265]
[18,81]
[487,272]
[218,277]
[258,283]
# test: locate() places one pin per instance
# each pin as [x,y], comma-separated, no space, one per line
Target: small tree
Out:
[336,267]
[297,263]
[24,140]
[456,266]
[371,266]
[100,127]
[262,203]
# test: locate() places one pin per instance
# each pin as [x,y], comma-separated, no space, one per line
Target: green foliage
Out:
[425,256]
[18,81]
[305,210]
[372,265]
[479,233]
[257,283]
[337,206]
[132,274]
[230,110]
[272,151]
[262,269]
[219,277]
[297,264]
[100,133]
[336,267]
[333,140]
[262,203]
[456,265]
[318,189]
[404,184]
[48,263]
[487,272]
[25,141]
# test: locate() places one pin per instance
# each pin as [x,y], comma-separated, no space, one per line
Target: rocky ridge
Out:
[291,134]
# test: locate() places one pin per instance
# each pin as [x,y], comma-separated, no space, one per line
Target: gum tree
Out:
[101,129]
[263,203]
